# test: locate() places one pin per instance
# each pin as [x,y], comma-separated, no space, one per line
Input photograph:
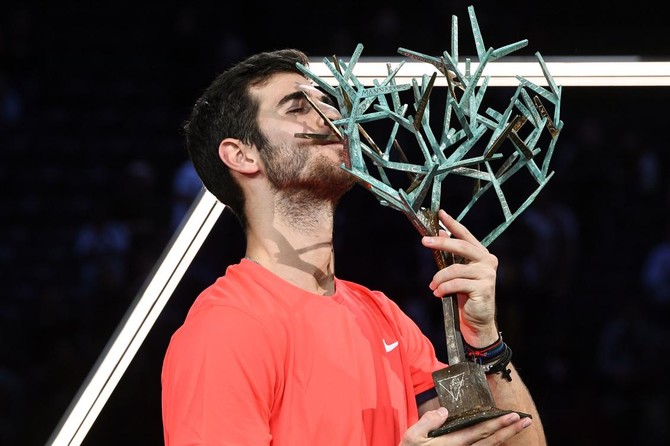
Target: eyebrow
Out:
[290,97]
[296,95]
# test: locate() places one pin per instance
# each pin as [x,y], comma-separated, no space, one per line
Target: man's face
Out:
[293,163]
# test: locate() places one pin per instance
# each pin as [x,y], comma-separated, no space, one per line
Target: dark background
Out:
[91,103]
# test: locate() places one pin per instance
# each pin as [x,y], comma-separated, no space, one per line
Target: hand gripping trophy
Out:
[483,147]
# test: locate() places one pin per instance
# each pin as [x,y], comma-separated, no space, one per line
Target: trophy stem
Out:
[452,326]
[454,338]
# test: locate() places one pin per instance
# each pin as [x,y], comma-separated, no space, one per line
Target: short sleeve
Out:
[212,367]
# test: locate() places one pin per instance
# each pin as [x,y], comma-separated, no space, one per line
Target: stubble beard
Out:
[306,182]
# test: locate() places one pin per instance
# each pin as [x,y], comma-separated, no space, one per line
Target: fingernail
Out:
[442,411]
[512,418]
[526,422]
[428,240]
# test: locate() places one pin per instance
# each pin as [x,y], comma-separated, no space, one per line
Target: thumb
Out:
[417,433]
[430,421]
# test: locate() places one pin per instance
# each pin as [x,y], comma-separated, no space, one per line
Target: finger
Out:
[461,248]
[469,270]
[505,433]
[455,286]
[456,228]
[484,269]
[431,420]
[428,422]
[492,432]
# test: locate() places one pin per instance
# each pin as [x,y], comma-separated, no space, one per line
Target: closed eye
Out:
[298,107]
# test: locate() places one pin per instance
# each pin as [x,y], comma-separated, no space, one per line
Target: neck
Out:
[295,243]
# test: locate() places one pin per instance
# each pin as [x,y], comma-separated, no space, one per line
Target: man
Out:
[281,351]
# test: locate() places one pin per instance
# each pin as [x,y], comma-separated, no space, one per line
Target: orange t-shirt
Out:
[259,361]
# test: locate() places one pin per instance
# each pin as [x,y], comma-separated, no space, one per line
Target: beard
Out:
[299,171]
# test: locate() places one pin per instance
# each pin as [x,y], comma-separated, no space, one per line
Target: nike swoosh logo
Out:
[389,347]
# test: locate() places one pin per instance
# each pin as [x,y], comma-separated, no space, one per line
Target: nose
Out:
[327,112]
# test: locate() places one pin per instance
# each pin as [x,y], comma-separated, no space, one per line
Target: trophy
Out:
[476,145]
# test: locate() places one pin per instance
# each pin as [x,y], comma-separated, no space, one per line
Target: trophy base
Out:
[463,390]
[470,419]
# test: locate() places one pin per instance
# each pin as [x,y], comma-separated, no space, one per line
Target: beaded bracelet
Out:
[494,358]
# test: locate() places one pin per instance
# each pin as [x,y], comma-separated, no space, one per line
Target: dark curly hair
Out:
[227,110]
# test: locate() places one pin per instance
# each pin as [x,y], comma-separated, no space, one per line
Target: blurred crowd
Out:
[95,183]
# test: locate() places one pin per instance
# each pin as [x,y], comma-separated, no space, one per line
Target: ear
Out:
[238,156]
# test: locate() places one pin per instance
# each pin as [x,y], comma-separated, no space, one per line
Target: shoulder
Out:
[245,289]
[366,296]
[236,311]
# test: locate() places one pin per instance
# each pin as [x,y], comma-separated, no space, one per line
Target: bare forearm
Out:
[514,395]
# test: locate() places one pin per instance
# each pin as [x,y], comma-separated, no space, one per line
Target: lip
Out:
[333,145]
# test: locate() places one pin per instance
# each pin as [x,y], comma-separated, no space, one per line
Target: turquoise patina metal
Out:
[470,142]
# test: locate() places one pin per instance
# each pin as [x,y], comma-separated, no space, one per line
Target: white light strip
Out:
[139,319]
[568,73]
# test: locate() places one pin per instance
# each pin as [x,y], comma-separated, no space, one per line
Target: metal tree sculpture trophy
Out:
[485,148]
